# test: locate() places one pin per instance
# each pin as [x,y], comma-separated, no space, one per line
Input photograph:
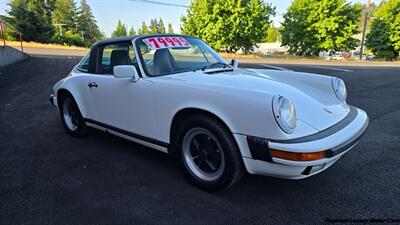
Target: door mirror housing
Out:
[235,63]
[126,71]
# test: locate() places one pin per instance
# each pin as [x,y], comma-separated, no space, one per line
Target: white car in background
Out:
[175,94]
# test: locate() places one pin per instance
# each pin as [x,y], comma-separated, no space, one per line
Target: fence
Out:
[3,27]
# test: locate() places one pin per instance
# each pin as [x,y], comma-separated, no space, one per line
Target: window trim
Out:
[99,55]
[86,57]
[140,55]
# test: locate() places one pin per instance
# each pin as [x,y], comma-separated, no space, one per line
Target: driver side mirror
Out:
[126,71]
[235,63]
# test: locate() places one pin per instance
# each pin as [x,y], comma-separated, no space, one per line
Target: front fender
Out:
[243,113]
[72,85]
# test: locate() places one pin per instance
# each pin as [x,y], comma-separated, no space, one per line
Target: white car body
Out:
[143,111]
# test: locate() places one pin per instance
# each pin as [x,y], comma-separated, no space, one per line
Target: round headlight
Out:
[285,113]
[340,89]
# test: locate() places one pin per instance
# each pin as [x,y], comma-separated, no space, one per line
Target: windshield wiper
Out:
[216,64]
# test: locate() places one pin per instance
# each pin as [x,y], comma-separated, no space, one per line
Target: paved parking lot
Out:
[48,177]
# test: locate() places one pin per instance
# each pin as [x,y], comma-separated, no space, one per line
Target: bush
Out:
[71,38]
[387,55]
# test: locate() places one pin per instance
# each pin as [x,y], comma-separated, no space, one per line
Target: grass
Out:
[17,44]
[238,56]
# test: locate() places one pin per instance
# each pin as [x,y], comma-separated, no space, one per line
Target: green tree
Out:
[66,21]
[87,24]
[311,26]
[273,35]
[120,30]
[144,29]
[65,14]
[161,26]
[132,31]
[384,37]
[170,29]
[154,26]
[31,18]
[228,24]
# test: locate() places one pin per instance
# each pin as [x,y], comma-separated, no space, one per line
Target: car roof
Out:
[130,38]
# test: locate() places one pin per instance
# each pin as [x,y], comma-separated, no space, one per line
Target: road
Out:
[48,177]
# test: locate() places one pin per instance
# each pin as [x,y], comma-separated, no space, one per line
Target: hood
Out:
[312,95]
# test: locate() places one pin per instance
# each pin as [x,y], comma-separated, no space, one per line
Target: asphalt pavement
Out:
[49,177]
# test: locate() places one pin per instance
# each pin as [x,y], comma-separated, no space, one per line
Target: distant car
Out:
[337,56]
[177,95]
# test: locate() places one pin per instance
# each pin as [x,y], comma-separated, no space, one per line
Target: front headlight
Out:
[285,113]
[339,88]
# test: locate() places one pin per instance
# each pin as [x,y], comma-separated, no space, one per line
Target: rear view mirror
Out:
[235,63]
[126,71]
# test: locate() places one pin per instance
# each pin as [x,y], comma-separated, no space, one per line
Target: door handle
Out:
[92,84]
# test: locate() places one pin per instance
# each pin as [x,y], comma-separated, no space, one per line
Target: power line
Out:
[160,3]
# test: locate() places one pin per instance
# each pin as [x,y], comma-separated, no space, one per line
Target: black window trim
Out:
[99,55]
[83,70]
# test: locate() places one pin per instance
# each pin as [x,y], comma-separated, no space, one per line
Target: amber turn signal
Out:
[293,156]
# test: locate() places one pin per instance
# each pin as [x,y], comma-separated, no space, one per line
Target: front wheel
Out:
[209,153]
[71,117]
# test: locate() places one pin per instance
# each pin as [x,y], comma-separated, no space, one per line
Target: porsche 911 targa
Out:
[175,94]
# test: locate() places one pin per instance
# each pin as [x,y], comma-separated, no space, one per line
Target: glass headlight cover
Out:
[285,113]
[339,87]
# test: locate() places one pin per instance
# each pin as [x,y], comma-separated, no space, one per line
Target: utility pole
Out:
[3,36]
[60,26]
[364,29]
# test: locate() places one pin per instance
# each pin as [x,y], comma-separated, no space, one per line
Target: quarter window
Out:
[84,64]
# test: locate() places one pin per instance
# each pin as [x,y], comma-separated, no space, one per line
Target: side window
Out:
[84,64]
[114,55]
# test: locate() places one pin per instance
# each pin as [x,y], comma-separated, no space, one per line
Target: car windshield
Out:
[162,55]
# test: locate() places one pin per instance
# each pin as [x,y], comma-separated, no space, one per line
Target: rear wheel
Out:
[71,117]
[209,153]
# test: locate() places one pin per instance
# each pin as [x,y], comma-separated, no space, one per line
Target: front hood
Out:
[312,95]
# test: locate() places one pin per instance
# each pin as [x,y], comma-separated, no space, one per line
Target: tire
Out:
[71,117]
[208,153]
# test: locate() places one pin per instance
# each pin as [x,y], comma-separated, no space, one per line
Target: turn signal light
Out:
[293,156]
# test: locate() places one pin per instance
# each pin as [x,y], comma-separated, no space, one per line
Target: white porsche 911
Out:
[175,94]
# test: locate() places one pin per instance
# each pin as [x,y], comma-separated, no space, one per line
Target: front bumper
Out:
[335,141]
[53,100]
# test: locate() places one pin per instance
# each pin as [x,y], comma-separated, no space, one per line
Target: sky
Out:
[107,12]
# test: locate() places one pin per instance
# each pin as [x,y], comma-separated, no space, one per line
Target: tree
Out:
[273,35]
[161,26]
[154,26]
[65,14]
[65,19]
[144,29]
[132,31]
[228,24]
[311,26]
[170,29]
[384,37]
[31,18]
[120,30]
[87,24]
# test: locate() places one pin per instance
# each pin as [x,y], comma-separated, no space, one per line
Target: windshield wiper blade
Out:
[216,64]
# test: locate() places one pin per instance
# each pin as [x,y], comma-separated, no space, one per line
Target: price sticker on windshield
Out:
[166,42]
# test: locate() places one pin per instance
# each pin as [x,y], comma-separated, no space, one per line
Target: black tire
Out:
[230,173]
[78,122]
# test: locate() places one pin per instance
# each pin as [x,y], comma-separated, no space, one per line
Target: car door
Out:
[119,102]
[83,75]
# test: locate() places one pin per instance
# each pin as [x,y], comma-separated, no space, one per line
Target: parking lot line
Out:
[333,68]
[275,67]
